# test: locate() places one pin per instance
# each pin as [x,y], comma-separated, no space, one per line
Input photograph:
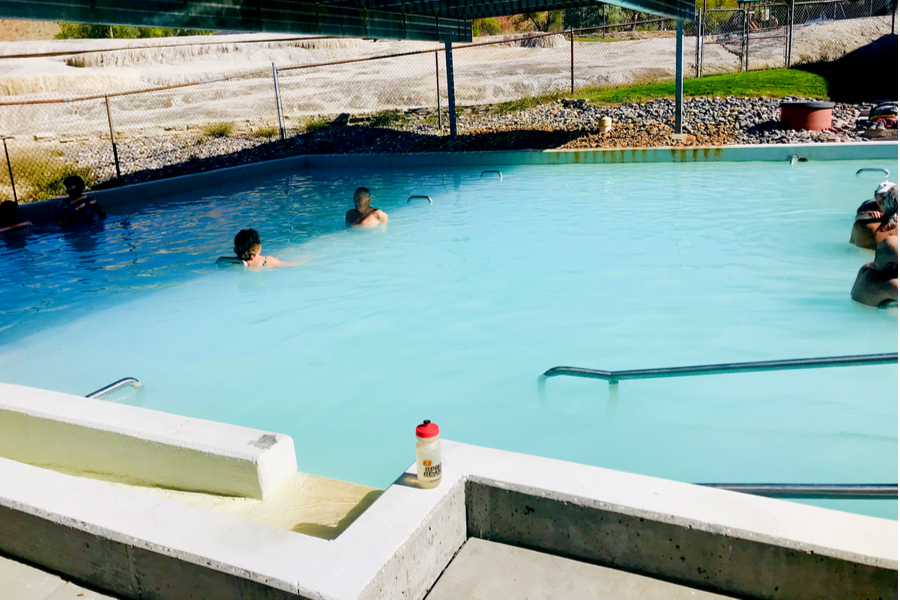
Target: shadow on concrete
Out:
[331,532]
[867,74]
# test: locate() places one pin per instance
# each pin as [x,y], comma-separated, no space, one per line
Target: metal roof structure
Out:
[426,20]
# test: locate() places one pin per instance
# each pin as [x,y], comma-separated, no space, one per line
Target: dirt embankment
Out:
[13,30]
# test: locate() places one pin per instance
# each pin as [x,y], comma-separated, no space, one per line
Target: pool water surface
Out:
[453,310]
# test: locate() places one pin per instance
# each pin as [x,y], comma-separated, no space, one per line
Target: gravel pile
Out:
[562,124]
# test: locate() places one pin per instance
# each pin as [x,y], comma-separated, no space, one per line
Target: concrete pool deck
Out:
[134,545]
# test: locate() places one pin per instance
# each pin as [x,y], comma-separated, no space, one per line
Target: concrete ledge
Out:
[722,541]
[142,193]
[139,446]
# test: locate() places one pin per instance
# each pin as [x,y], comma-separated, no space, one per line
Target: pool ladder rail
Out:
[116,385]
[613,377]
[877,170]
[420,197]
[813,491]
[492,171]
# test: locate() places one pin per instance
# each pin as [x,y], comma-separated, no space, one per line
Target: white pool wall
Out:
[137,194]
[140,446]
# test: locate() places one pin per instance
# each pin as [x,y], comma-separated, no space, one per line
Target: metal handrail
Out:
[877,170]
[127,381]
[497,172]
[816,491]
[430,201]
[613,377]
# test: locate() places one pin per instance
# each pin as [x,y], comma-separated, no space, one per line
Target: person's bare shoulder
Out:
[382,216]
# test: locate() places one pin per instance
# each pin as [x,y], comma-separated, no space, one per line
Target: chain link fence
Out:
[140,134]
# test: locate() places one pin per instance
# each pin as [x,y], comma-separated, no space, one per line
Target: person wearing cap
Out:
[363,214]
[876,219]
[876,283]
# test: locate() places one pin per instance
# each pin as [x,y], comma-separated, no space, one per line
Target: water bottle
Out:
[428,455]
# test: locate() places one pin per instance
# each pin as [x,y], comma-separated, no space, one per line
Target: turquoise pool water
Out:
[452,311]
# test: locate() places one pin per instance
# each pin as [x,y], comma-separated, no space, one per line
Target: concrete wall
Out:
[672,551]
[139,446]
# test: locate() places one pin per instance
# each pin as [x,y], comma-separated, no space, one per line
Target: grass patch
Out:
[604,40]
[39,174]
[222,129]
[386,118]
[775,84]
[267,133]
[316,124]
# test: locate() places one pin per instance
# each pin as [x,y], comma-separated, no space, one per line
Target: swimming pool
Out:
[452,311]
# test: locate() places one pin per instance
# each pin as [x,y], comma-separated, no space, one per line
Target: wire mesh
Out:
[204,124]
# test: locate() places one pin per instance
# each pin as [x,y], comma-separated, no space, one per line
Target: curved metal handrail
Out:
[885,171]
[127,381]
[613,377]
[818,491]
[430,201]
[497,172]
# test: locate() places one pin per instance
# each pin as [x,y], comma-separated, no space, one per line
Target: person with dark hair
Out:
[362,213]
[876,219]
[77,208]
[248,248]
[876,283]
[9,217]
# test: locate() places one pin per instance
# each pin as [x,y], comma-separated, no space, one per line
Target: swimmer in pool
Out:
[876,219]
[9,217]
[364,214]
[248,248]
[77,208]
[876,283]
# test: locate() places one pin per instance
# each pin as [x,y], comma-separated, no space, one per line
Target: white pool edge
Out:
[137,194]
[138,546]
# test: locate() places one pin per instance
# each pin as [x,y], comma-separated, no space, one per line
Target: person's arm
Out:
[16,226]
[95,206]
[271,261]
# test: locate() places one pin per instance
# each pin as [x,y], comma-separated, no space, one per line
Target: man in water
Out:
[876,283]
[364,214]
[876,219]
[77,208]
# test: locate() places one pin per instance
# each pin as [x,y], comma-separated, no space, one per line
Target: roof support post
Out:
[451,91]
[679,73]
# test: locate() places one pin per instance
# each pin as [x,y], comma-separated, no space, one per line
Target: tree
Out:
[96,31]
[544,21]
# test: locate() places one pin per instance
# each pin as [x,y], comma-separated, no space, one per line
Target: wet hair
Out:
[245,242]
[362,191]
[9,213]
[890,200]
[73,180]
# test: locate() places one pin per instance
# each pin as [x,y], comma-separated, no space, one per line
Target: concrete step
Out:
[19,581]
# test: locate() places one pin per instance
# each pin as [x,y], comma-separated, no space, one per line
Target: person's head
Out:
[9,213]
[361,197]
[889,199]
[74,186]
[247,244]
[882,191]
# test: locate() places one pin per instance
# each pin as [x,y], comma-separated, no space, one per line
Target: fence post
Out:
[572,60]
[112,138]
[9,166]
[790,34]
[451,92]
[699,45]
[745,43]
[437,78]
[679,72]
[278,101]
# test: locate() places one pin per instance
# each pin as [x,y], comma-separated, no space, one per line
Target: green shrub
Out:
[39,174]
[267,133]
[489,26]
[222,129]
[316,124]
[386,118]
[94,31]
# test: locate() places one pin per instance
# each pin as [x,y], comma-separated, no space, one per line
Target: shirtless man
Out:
[876,283]
[876,219]
[364,214]
[77,208]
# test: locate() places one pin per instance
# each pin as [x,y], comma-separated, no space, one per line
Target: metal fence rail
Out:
[813,491]
[140,133]
[613,377]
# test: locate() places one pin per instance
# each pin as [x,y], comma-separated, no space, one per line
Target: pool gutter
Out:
[139,546]
[141,193]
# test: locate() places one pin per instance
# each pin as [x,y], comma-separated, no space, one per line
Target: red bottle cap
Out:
[427,430]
